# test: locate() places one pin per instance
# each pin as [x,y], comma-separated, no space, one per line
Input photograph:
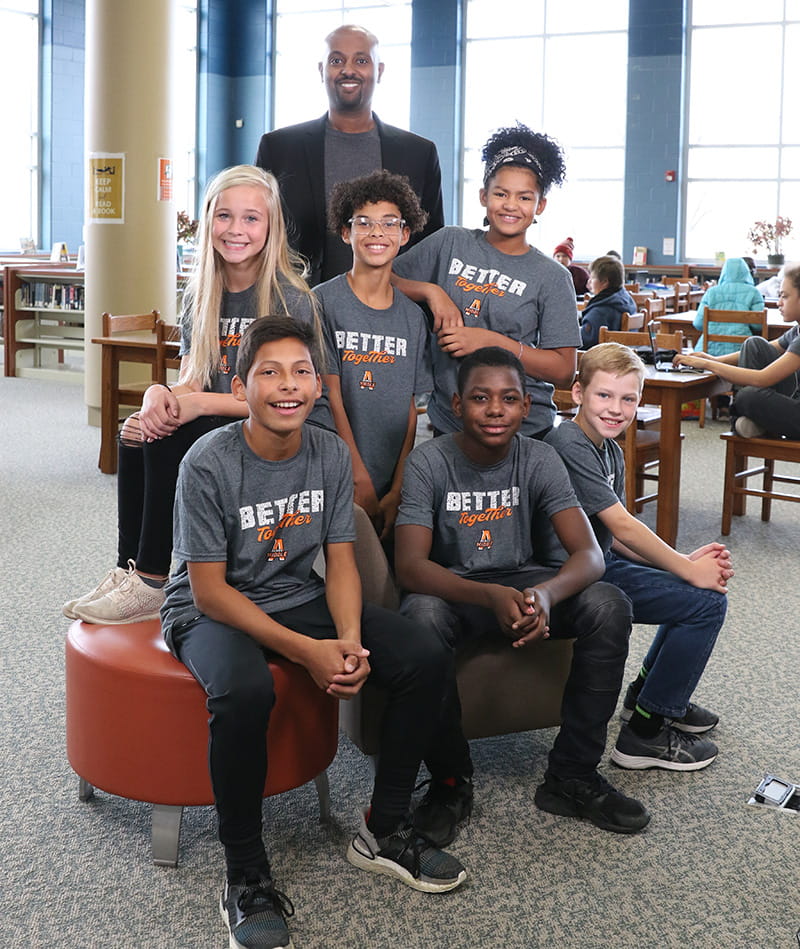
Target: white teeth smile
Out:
[286,405]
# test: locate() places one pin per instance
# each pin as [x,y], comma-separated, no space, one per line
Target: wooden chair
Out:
[735,492]
[654,308]
[730,317]
[663,340]
[631,322]
[166,356]
[632,287]
[640,298]
[680,302]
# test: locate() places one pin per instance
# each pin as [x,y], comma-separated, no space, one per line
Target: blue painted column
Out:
[656,44]
[436,89]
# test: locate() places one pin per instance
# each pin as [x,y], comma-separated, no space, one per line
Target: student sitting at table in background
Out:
[564,253]
[734,291]
[609,299]
[683,593]
[243,269]
[765,374]
[379,336]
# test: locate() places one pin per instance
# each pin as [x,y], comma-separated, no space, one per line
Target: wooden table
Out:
[671,390]
[673,322]
[134,347]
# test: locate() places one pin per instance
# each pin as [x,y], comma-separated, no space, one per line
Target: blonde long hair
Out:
[203,296]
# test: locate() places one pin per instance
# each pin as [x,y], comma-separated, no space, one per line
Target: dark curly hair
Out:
[348,197]
[546,155]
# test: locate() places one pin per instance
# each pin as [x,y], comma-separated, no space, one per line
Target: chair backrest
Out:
[128,323]
[640,298]
[682,297]
[632,287]
[632,321]
[166,356]
[654,308]
[663,340]
[737,317]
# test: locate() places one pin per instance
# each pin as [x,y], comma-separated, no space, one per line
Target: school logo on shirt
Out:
[278,551]
[474,309]
[367,382]
[480,507]
[224,365]
[474,279]
[231,329]
[360,348]
[485,542]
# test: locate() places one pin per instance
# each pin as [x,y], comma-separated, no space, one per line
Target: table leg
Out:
[109,411]
[669,467]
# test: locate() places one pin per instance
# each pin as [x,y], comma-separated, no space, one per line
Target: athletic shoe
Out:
[111,580]
[442,809]
[408,856]
[747,428]
[669,748]
[696,720]
[593,799]
[133,600]
[255,914]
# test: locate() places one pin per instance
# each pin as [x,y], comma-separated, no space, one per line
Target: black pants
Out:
[146,481]
[406,661]
[599,618]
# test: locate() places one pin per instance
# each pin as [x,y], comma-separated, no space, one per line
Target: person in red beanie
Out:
[564,253]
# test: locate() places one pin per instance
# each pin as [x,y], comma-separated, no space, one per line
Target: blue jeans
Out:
[599,617]
[689,620]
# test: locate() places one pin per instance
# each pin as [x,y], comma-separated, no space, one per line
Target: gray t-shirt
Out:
[598,477]
[382,359]
[790,340]
[528,297]
[266,520]
[483,518]
[347,155]
[237,311]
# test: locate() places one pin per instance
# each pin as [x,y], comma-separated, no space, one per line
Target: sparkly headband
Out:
[515,154]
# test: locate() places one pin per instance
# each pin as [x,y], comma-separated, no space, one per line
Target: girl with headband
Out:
[492,288]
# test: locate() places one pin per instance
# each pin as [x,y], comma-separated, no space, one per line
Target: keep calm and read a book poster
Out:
[106,188]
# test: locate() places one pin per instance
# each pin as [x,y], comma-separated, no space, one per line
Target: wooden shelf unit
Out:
[43,322]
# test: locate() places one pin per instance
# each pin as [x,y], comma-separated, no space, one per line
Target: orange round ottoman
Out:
[137,726]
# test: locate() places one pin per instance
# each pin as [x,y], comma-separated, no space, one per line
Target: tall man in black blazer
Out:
[347,142]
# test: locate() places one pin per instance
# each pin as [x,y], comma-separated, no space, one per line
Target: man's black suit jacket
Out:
[296,155]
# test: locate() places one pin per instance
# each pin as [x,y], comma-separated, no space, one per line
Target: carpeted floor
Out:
[709,872]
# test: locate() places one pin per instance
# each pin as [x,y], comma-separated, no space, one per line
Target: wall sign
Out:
[106,188]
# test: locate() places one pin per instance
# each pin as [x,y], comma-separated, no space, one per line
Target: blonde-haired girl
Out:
[244,269]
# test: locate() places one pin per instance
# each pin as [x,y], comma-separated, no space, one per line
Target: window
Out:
[561,69]
[300,31]
[743,152]
[184,166]
[19,156]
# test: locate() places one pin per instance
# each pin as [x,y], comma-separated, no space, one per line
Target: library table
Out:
[122,347]
[682,322]
[671,390]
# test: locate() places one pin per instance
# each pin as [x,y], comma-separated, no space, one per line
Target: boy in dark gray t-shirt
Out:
[256,503]
[465,557]
[379,337]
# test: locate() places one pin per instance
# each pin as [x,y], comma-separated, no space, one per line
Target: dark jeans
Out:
[146,481]
[232,668]
[775,408]
[689,620]
[599,618]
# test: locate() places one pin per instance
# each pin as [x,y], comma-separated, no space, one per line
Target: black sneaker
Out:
[255,914]
[696,721]
[442,809]
[408,856]
[593,799]
[669,748]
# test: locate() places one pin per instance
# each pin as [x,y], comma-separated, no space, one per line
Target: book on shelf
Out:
[45,295]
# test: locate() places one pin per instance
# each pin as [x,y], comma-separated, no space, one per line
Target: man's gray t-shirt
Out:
[348,155]
[483,518]
[237,311]
[527,297]
[598,477]
[382,361]
[266,520]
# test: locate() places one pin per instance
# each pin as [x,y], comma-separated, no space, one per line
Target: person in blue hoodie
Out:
[735,291]
[609,300]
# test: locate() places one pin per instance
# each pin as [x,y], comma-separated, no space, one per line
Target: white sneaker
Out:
[133,600]
[747,428]
[111,580]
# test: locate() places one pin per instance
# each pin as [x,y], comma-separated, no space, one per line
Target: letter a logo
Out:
[485,543]
[278,552]
[474,309]
[367,382]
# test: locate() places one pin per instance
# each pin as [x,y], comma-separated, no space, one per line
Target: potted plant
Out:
[766,234]
[187,232]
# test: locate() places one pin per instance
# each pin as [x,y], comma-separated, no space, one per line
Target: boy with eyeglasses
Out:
[379,337]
